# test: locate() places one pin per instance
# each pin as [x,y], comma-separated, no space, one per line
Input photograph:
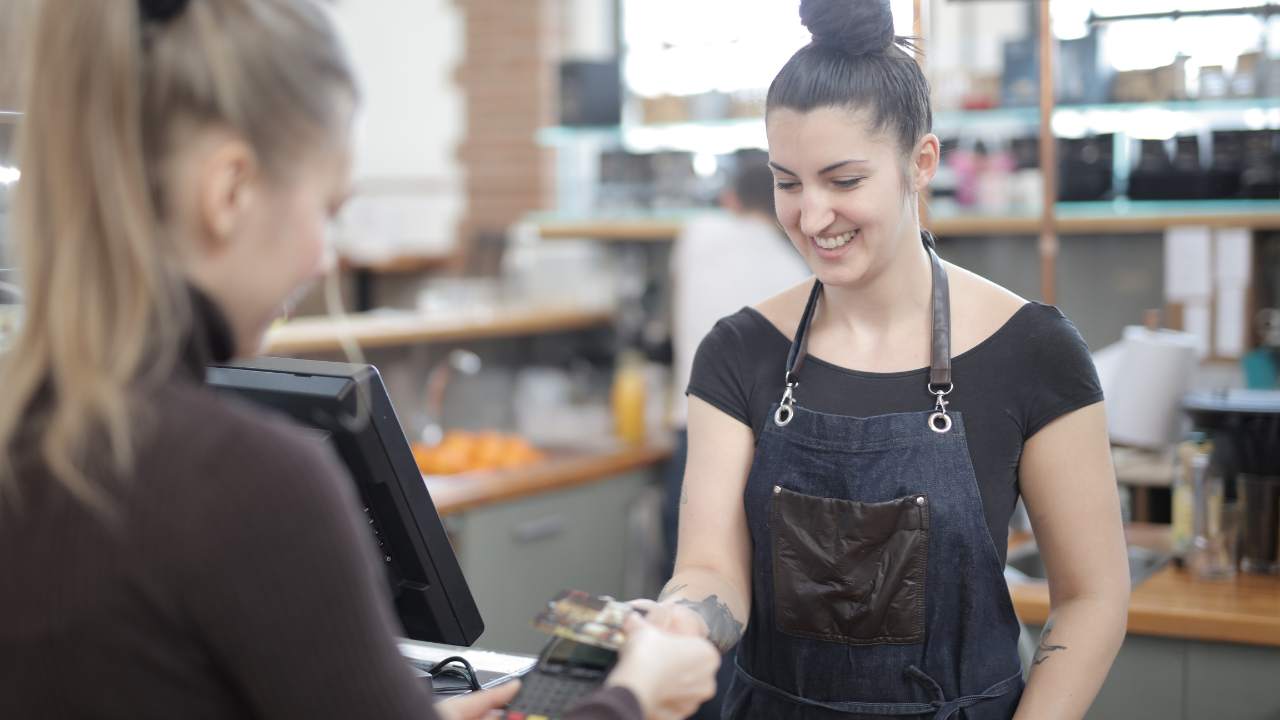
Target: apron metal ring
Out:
[940,422]
[784,415]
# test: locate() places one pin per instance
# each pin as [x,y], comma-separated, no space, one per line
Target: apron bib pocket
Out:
[849,571]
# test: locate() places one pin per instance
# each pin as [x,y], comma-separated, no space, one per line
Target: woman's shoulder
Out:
[981,310]
[751,327]
[989,316]
[1048,335]
[781,313]
[741,351]
[229,440]
[210,468]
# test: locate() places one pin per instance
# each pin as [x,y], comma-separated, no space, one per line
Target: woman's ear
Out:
[924,161]
[227,186]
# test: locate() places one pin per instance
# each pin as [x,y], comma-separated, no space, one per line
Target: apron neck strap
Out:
[940,341]
[940,345]
[799,346]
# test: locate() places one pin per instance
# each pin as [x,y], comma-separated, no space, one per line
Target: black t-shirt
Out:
[1034,369]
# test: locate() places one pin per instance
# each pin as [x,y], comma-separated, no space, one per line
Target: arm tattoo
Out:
[723,628]
[1045,649]
[684,495]
[669,591]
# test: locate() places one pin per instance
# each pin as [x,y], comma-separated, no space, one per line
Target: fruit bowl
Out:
[463,452]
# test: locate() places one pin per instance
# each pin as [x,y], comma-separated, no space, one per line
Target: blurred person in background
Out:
[168,552]
[720,263]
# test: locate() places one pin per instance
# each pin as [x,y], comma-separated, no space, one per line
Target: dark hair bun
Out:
[854,26]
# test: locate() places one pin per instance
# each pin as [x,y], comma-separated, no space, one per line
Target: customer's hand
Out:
[478,705]
[670,674]
[672,617]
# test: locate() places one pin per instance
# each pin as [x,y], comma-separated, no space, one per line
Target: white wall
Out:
[409,183]
[967,39]
[972,35]
[587,30]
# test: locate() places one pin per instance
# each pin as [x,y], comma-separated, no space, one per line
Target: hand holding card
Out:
[595,620]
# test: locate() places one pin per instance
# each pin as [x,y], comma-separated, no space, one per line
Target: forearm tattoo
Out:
[1045,649]
[723,628]
[672,590]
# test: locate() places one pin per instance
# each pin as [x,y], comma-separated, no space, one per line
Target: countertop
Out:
[1171,603]
[456,493]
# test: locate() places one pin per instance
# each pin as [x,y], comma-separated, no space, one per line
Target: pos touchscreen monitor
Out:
[430,593]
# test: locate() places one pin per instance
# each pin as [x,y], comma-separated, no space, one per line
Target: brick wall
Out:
[507,78]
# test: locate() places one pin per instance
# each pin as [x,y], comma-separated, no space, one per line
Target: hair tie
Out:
[161,10]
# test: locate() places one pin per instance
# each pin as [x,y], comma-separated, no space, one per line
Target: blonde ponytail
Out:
[109,98]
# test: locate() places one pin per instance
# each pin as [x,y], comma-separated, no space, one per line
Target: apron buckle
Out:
[786,410]
[939,420]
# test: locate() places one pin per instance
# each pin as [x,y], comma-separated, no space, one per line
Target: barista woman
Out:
[167,553]
[858,442]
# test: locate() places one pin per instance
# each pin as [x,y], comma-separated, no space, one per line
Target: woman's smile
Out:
[833,247]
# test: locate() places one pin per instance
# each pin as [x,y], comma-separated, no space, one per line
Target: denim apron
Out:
[877,590]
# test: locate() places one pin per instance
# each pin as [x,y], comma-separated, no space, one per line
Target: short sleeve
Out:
[1061,375]
[717,374]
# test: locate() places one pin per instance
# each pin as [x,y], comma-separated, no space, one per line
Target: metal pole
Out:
[1264,10]
[1048,162]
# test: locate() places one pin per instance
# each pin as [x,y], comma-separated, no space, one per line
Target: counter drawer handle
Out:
[543,528]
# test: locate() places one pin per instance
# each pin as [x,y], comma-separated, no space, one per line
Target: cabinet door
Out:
[518,555]
[1241,682]
[1145,682]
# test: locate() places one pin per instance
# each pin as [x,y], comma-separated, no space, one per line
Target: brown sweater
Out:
[239,583]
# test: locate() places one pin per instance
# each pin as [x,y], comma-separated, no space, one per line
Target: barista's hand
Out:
[478,705]
[672,617]
[670,674]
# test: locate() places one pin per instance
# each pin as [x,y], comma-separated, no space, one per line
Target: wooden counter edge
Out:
[1146,615]
[1031,603]
[456,494]
[1204,625]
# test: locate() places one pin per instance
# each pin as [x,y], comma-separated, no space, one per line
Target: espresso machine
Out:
[1244,426]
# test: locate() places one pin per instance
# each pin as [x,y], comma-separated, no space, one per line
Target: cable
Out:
[441,669]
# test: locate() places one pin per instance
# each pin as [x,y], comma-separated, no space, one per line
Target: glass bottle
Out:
[1212,554]
[1183,495]
[628,398]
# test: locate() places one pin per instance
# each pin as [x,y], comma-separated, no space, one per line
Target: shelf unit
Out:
[365,271]
[1070,218]
[1046,120]
[1068,121]
[307,335]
